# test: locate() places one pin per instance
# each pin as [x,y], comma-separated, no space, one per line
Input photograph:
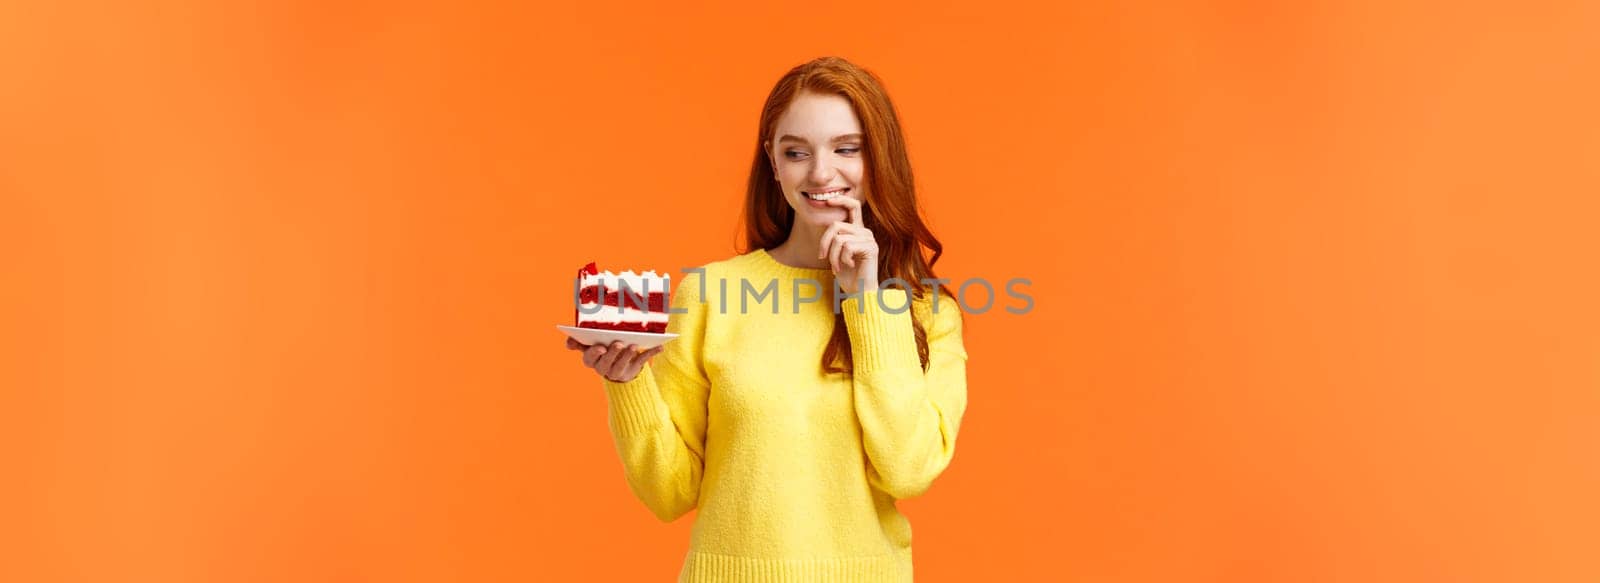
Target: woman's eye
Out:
[849,150]
[791,154]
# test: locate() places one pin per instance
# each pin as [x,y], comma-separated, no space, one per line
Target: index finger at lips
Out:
[852,207]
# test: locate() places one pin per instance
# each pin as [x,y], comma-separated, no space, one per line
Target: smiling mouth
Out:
[826,195]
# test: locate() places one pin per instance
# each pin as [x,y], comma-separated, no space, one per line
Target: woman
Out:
[794,427]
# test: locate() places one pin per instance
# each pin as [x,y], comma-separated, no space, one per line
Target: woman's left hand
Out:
[850,248]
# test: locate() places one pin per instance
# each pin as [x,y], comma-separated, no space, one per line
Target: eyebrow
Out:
[843,138]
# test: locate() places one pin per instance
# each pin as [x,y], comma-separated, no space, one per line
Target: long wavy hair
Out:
[890,210]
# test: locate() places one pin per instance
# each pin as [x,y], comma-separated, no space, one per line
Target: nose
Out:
[821,171]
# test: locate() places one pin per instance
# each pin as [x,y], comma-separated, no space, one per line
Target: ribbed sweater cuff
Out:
[881,334]
[636,406]
[704,567]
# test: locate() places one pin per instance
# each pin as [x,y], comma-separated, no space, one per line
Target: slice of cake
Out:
[627,301]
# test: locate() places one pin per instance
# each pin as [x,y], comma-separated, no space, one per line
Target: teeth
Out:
[826,195]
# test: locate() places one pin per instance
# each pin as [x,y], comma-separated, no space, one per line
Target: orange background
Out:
[1315,282]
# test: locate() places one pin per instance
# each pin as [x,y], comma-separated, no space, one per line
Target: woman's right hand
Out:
[617,363]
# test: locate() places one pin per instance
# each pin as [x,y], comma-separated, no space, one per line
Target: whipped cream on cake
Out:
[627,301]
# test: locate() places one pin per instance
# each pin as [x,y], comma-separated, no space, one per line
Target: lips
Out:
[827,194]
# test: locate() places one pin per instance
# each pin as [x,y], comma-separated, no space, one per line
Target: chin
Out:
[823,218]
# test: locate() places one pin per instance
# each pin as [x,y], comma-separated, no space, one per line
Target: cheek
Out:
[853,171]
[791,175]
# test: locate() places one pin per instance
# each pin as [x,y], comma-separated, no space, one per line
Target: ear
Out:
[772,162]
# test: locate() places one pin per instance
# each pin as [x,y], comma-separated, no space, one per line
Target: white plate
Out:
[592,336]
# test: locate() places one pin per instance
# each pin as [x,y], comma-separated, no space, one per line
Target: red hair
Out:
[890,210]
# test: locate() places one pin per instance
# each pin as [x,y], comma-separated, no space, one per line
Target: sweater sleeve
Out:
[658,419]
[909,418]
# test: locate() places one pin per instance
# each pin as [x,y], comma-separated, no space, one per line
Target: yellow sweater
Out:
[795,472]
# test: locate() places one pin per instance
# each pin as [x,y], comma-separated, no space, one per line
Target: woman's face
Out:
[817,152]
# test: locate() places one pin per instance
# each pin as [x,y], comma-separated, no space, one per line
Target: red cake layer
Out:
[656,301]
[653,327]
